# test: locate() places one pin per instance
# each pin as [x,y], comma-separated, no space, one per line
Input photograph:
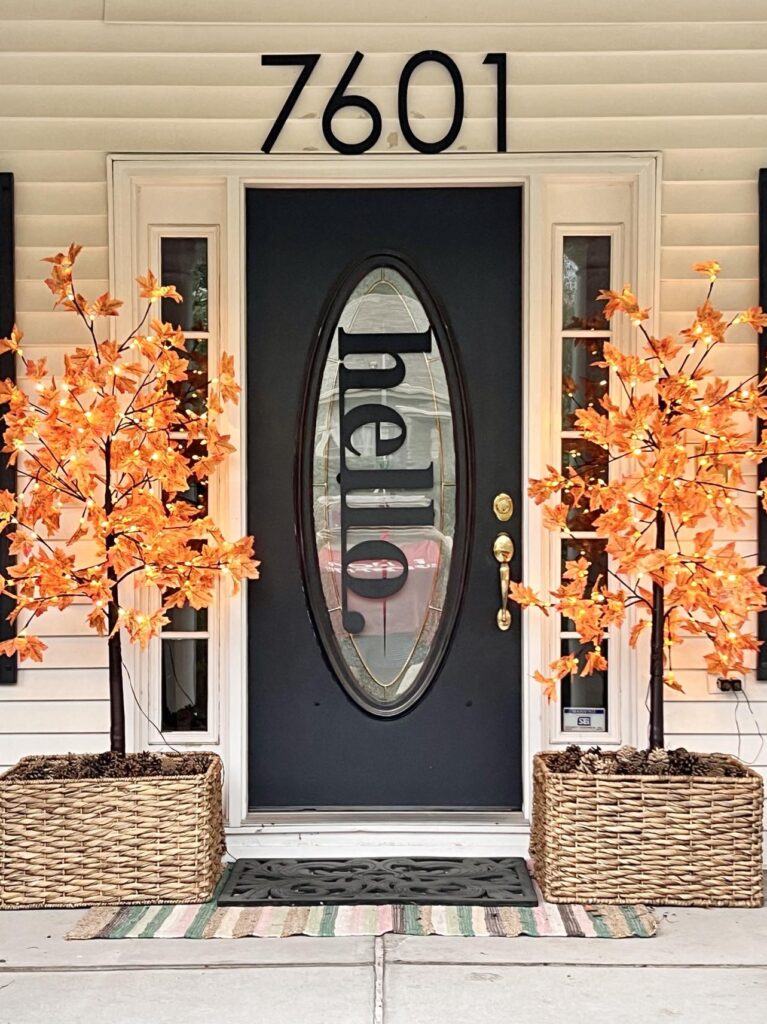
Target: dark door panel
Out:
[317,739]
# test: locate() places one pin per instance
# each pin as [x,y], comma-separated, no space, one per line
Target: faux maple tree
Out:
[676,449]
[111,450]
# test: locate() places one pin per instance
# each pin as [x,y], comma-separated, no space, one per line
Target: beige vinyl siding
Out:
[688,79]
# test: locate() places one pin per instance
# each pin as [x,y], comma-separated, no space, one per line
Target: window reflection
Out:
[405,428]
[585,272]
[185,264]
[185,685]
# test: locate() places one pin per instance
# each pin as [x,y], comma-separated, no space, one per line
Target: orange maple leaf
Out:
[549,684]
[27,647]
[151,289]
[708,267]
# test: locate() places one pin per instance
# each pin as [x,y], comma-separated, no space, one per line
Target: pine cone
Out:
[625,754]
[715,766]
[565,760]
[590,764]
[657,762]
[703,767]
[682,762]
[606,765]
[627,760]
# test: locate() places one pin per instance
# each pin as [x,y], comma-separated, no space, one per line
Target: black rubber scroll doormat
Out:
[475,881]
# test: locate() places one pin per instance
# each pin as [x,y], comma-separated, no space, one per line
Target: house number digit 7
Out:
[307,62]
[339,100]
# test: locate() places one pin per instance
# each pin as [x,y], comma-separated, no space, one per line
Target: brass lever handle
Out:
[503,550]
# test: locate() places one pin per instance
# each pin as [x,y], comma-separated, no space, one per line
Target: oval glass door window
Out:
[387,458]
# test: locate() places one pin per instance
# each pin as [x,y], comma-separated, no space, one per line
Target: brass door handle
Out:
[503,550]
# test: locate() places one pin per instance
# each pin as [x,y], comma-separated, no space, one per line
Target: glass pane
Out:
[384,489]
[585,271]
[583,698]
[185,685]
[590,461]
[187,620]
[192,392]
[185,264]
[583,384]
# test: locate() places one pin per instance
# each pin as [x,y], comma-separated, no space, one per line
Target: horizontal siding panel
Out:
[381,69]
[736,261]
[691,654]
[52,328]
[22,10]
[92,263]
[44,683]
[710,229]
[66,197]
[142,135]
[405,11]
[76,652]
[14,747]
[677,295]
[715,719]
[53,716]
[709,197]
[59,230]
[739,359]
[35,297]
[44,35]
[741,335]
[53,166]
[428,101]
[743,160]
[69,621]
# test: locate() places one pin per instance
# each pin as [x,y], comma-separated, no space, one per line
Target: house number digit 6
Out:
[340,100]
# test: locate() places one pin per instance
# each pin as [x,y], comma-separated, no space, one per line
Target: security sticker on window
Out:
[584,719]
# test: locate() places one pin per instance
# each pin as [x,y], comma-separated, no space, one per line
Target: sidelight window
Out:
[185,661]
[583,330]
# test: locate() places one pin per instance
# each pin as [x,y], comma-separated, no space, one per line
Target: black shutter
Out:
[8,668]
[761,664]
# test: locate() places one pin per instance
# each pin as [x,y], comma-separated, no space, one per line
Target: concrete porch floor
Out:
[704,966]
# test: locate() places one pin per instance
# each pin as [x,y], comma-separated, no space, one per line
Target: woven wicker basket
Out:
[659,839]
[79,842]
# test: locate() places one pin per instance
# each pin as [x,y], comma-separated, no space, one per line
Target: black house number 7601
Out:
[340,100]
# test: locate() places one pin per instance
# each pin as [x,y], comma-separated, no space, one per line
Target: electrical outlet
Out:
[729,685]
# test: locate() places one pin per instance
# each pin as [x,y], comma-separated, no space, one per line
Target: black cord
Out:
[154,725]
[175,750]
[756,723]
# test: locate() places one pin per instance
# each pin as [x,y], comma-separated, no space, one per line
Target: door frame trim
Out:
[233,174]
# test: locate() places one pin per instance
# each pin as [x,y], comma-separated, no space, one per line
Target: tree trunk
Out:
[657,730]
[116,696]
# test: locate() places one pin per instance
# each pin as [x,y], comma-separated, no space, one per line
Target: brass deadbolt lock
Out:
[503,507]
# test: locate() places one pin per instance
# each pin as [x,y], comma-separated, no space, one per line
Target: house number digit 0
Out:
[340,100]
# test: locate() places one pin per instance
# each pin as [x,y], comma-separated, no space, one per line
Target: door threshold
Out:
[454,818]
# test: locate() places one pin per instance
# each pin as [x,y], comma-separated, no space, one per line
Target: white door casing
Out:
[564,193]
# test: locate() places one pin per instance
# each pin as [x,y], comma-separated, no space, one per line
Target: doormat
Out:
[473,881]
[211,921]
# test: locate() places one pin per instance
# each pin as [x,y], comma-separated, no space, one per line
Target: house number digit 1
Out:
[340,100]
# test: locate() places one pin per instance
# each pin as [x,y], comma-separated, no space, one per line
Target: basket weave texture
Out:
[80,842]
[659,839]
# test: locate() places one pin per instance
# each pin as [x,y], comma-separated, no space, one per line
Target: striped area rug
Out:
[209,921]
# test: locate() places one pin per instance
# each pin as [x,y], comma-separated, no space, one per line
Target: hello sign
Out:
[340,100]
[383,485]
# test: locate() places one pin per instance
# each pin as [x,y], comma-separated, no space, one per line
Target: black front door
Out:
[384,401]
